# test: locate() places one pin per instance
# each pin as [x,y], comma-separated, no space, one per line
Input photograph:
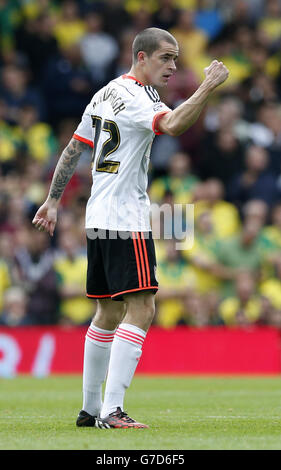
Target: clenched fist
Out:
[216,73]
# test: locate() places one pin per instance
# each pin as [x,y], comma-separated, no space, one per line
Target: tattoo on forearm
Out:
[66,167]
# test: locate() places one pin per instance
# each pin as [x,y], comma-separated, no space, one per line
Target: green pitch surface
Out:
[187,413]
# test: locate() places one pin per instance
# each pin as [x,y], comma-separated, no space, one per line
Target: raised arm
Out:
[181,118]
[46,217]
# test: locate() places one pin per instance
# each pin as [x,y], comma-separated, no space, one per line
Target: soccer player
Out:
[119,124]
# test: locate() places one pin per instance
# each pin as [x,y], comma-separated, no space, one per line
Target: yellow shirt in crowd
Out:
[271,289]
[5,282]
[224,215]
[229,308]
[73,273]
[175,276]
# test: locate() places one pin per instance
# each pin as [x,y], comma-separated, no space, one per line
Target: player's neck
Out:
[138,74]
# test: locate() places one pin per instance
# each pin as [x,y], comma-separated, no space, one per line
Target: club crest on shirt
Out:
[158,107]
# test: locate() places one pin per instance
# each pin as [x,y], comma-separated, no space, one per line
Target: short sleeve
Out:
[148,109]
[84,131]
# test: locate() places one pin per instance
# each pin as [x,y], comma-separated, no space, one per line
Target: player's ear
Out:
[141,56]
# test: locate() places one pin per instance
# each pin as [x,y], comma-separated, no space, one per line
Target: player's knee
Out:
[149,306]
[109,314]
[140,309]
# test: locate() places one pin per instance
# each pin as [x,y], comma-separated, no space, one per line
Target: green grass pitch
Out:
[184,413]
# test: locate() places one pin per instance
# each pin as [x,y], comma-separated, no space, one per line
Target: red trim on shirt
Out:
[132,78]
[156,120]
[82,139]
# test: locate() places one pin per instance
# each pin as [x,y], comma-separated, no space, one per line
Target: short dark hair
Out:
[149,40]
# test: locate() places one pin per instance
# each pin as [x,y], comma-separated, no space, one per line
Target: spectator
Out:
[245,307]
[9,144]
[122,63]
[166,15]
[271,288]
[179,180]
[255,91]
[221,156]
[170,221]
[134,5]
[16,92]
[208,18]
[202,255]
[35,40]
[257,211]
[38,278]
[200,310]
[192,40]
[176,281]
[269,124]
[15,308]
[163,149]
[36,138]
[10,18]
[18,208]
[71,266]
[259,56]
[9,272]
[116,18]
[270,25]
[182,84]
[226,115]
[32,9]
[67,85]
[98,49]
[256,181]
[239,253]
[241,40]
[5,281]
[33,185]
[141,19]
[259,132]
[271,242]
[248,12]
[272,232]
[225,216]
[69,26]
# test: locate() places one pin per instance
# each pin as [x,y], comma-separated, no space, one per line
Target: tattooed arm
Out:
[65,168]
[46,216]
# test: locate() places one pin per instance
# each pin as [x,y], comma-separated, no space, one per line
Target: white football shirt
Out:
[120,123]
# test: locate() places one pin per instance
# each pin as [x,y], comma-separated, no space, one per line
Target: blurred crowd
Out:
[54,55]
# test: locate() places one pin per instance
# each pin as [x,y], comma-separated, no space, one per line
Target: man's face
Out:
[160,66]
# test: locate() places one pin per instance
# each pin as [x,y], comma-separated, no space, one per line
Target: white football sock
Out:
[98,344]
[125,353]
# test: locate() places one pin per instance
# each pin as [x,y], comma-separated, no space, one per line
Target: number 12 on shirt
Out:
[109,146]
